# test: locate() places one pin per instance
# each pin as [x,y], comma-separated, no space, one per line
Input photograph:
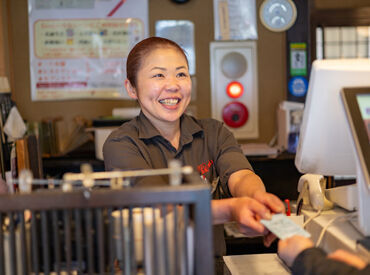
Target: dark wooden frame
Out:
[336,18]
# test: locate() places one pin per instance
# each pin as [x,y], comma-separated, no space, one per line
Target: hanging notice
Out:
[235,19]
[78,48]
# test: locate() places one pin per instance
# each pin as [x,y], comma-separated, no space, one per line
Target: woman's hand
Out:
[289,248]
[247,212]
[245,183]
[251,203]
[269,200]
[275,205]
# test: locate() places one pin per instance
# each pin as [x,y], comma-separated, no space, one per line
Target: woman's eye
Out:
[182,74]
[158,75]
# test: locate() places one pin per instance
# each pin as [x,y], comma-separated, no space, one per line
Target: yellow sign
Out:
[91,38]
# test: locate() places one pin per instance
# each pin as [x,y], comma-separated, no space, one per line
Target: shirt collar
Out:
[146,128]
[188,125]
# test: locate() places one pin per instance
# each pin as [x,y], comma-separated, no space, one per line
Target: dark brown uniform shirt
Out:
[205,144]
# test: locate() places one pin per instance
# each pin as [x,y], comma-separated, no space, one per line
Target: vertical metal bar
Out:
[2,261]
[67,240]
[34,244]
[111,241]
[154,244]
[23,244]
[185,237]
[56,241]
[90,249]
[165,242]
[126,241]
[144,238]
[177,267]
[100,233]
[133,243]
[203,256]
[123,242]
[12,248]
[78,232]
[45,242]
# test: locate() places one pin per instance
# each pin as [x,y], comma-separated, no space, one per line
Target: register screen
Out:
[364,104]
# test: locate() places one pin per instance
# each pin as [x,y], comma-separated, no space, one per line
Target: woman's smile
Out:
[169,101]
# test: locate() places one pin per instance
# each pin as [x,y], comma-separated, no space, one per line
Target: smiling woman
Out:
[158,77]
[163,90]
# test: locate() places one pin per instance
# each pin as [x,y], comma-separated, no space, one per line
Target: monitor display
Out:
[356,103]
[363,101]
[325,144]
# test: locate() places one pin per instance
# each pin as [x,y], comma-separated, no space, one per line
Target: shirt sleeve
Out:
[314,261]
[230,158]
[123,154]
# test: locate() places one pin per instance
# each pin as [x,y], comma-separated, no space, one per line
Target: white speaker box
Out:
[234,90]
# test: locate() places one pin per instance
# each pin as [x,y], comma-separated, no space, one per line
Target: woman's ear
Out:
[130,89]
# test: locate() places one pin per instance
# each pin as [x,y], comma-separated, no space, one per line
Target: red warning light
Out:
[234,89]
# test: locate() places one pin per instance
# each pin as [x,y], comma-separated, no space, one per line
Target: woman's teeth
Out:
[169,101]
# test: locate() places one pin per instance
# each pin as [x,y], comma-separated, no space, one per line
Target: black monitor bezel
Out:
[357,127]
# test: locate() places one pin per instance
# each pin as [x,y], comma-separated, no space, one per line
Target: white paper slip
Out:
[283,227]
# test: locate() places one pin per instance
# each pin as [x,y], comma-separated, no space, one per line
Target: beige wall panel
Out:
[271,67]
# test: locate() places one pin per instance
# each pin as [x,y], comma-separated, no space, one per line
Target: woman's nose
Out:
[172,84]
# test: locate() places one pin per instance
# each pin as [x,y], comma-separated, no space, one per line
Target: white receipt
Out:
[283,227]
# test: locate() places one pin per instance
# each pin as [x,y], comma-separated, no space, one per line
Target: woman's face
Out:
[163,85]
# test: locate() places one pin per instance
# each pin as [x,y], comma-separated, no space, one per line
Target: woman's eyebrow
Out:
[158,68]
[164,69]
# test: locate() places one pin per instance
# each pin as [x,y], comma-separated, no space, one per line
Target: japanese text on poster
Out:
[78,49]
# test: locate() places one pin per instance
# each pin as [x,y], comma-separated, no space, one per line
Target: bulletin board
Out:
[78,48]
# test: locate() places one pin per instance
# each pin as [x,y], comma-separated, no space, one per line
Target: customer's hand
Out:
[348,258]
[289,248]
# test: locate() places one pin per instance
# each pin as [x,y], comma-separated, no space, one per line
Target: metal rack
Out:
[108,230]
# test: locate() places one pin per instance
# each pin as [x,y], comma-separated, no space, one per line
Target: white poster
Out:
[78,48]
[235,19]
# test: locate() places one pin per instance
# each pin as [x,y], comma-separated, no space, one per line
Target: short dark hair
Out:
[142,49]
